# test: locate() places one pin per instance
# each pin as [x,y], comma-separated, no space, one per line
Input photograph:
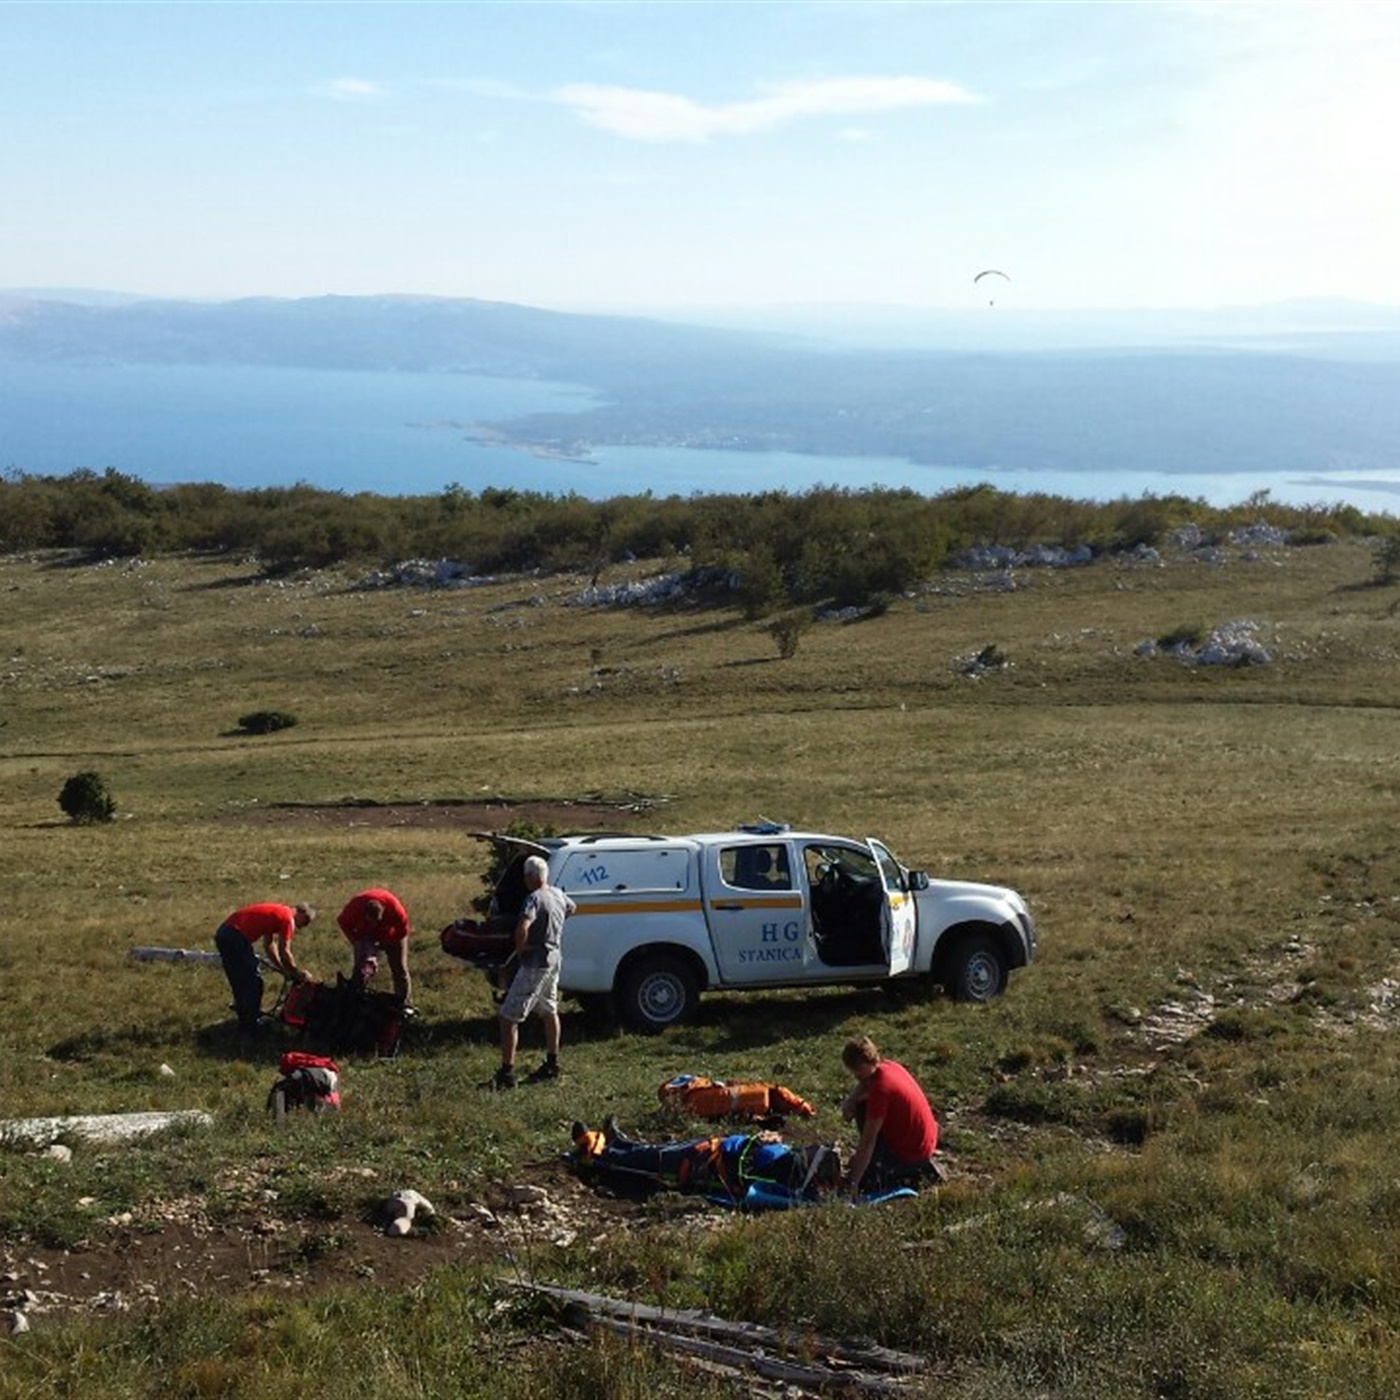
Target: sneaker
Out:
[546,1071]
[504,1078]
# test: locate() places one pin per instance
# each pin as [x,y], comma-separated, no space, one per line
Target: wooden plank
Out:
[814,1377]
[746,1333]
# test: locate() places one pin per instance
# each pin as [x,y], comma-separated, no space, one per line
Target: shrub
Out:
[266,721]
[1386,553]
[86,800]
[502,856]
[1190,634]
[787,633]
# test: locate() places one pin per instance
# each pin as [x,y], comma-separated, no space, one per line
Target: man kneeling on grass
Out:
[535,986]
[898,1132]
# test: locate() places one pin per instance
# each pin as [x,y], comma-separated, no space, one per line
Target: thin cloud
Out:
[639,115]
[351,89]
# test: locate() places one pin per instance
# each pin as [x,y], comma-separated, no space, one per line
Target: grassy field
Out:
[1171,1143]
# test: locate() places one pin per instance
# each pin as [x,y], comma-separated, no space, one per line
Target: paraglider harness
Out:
[345,1017]
[729,1174]
[725,1170]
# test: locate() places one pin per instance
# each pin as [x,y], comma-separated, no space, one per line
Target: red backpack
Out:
[308,1081]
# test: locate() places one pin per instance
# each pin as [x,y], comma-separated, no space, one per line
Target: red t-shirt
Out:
[356,926]
[910,1130]
[258,921]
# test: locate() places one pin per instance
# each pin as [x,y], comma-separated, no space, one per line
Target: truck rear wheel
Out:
[655,992]
[976,969]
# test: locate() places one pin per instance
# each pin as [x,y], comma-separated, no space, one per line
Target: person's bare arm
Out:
[280,955]
[854,1099]
[865,1149]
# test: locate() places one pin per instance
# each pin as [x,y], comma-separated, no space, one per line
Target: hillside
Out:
[1169,1145]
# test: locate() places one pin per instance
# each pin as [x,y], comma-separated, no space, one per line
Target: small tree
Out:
[86,800]
[787,631]
[1386,553]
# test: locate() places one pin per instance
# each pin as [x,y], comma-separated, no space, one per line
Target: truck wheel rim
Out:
[981,975]
[660,997]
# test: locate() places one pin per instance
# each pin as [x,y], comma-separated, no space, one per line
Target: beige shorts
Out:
[532,989]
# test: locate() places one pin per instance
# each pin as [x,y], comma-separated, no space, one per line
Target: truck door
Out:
[901,906]
[756,912]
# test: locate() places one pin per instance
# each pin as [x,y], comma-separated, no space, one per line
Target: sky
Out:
[663,157]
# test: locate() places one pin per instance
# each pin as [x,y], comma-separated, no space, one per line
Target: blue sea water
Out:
[412,434]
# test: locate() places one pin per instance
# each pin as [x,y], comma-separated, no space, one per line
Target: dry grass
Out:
[1220,839]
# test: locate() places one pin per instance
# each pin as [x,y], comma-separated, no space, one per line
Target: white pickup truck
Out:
[661,919]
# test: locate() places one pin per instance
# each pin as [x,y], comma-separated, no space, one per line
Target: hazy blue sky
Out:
[638,156]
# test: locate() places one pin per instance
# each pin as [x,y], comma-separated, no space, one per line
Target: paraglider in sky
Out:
[990,272]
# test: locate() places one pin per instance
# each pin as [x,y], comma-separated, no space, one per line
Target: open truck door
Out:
[901,922]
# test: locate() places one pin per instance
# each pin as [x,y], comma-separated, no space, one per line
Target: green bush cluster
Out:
[838,546]
[266,721]
[85,799]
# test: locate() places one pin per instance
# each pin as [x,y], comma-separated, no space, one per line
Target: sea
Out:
[418,434]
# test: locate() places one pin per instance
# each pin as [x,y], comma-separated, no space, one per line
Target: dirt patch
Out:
[561,814]
[176,1251]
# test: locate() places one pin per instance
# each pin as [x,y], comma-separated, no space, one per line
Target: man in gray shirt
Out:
[535,986]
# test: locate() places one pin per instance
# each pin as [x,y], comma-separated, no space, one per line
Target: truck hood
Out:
[943,892]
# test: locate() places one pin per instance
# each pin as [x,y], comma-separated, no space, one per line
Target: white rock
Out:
[59,1152]
[528,1197]
[402,1207]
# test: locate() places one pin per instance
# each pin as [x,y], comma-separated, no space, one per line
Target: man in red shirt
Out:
[375,921]
[272,925]
[898,1132]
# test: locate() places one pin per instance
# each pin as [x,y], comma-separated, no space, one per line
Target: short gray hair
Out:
[537,867]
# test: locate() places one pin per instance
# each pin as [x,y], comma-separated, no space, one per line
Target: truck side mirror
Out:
[918,879]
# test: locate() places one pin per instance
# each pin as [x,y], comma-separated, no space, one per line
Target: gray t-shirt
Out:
[545,909]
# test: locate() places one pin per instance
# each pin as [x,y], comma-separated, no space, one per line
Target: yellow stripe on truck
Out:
[727,904]
[641,906]
[683,906]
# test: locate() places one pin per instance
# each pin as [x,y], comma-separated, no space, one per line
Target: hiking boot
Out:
[612,1132]
[548,1070]
[504,1078]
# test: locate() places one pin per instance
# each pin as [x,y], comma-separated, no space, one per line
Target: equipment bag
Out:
[299,1005]
[715,1098]
[307,1081]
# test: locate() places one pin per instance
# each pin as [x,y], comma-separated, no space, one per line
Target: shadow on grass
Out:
[722,1025]
[94,1044]
[739,1024]
[224,583]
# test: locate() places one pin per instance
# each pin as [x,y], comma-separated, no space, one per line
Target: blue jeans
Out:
[244,979]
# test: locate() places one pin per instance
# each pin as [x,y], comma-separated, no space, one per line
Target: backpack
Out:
[299,1005]
[307,1081]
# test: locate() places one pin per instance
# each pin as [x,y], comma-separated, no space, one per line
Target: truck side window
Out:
[755,867]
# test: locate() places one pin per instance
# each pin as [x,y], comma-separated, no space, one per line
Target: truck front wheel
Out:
[976,969]
[656,992]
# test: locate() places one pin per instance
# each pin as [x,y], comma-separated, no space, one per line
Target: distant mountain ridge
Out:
[392,332]
[1301,388]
